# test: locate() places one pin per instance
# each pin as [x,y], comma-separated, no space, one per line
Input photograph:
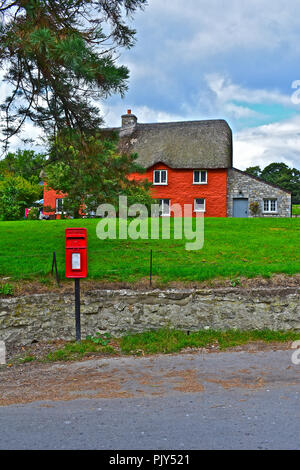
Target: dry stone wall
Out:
[49,316]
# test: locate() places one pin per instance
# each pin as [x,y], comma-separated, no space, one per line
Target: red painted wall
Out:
[50,197]
[180,189]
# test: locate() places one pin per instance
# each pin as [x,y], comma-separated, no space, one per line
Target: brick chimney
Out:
[129,121]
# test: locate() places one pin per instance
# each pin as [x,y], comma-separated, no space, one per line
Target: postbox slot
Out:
[75,239]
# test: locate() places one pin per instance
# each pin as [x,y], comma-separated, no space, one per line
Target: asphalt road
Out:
[231,400]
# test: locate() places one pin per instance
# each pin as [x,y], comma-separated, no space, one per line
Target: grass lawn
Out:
[232,248]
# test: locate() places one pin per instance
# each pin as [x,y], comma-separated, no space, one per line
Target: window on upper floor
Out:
[199,205]
[270,205]
[200,177]
[160,177]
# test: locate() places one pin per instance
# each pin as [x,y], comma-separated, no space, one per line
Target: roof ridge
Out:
[173,123]
[202,121]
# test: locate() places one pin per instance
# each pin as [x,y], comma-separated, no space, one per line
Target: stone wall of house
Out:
[50,316]
[241,185]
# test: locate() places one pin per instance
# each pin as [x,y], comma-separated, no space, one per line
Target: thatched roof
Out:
[188,144]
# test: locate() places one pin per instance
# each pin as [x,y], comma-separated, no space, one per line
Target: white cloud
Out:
[220,97]
[278,142]
[225,90]
[112,114]
[211,27]
[239,112]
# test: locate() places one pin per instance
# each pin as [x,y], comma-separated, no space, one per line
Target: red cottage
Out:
[191,163]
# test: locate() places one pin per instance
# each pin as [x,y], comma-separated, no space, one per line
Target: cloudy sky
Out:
[231,59]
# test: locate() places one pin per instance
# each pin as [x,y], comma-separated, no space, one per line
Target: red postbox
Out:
[76,253]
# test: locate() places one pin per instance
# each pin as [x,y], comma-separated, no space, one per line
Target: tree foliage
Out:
[254,170]
[281,175]
[16,194]
[19,183]
[90,171]
[59,56]
[25,163]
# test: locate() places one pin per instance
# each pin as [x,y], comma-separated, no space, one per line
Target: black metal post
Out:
[54,265]
[151,268]
[77,310]
[53,262]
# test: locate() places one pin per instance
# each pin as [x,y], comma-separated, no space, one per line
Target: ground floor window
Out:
[199,205]
[270,205]
[164,207]
[59,205]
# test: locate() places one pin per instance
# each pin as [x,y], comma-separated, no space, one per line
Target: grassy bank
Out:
[232,248]
[169,341]
[163,341]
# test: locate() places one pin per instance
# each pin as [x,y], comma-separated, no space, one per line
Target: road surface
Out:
[231,400]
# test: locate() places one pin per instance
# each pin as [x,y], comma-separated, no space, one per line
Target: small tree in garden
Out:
[25,163]
[254,208]
[33,213]
[16,194]
[91,171]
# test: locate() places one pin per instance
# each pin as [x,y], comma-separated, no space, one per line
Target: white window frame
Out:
[199,210]
[269,201]
[160,183]
[200,182]
[62,204]
[162,205]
